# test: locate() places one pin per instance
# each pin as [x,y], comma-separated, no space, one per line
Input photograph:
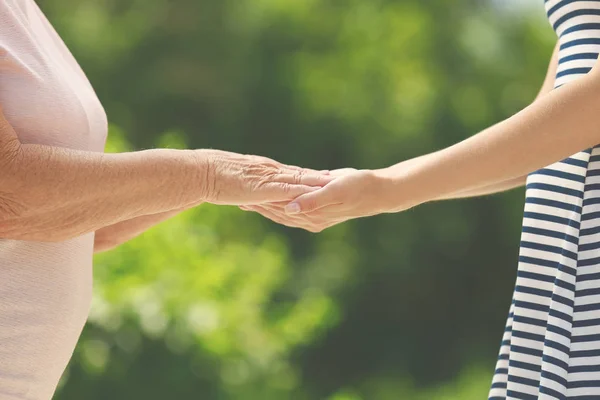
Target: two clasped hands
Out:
[497,159]
[297,197]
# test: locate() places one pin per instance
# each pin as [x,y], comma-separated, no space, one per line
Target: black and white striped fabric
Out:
[551,344]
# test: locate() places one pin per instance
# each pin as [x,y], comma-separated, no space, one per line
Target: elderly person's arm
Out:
[114,235]
[54,194]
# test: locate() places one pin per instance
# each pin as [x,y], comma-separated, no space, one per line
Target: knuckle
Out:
[258,184]
[247,169]
[299,176]
[286,188]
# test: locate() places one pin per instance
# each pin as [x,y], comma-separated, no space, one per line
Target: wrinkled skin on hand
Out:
[237,179]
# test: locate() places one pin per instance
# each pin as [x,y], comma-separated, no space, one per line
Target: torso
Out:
[551,344]
[577,24]
[45,288]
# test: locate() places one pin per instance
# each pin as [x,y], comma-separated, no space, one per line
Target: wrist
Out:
[205,180]
[399,187]
[175,179]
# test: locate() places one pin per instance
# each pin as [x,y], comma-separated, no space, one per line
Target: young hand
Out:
[352,194]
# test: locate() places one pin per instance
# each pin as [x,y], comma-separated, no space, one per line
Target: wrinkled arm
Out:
[53,194]
[114,235]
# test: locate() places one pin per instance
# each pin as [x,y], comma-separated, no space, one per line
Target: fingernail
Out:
[292,208]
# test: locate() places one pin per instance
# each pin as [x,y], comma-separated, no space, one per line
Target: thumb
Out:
[310,201]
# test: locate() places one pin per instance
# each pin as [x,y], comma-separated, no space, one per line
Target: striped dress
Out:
[551,344]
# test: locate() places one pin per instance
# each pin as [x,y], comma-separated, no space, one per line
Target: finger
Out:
[312,201]
[295,168]
[325,216]
[270,161]
[315,179]
[280,213]
[263,210]
[279,219]
[342,171]
[324,212]
[315,222]
[304,179]
[278,204]
[254,208]
[280,191]
[315,171]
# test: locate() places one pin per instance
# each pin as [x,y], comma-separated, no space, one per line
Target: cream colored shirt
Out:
[45,288]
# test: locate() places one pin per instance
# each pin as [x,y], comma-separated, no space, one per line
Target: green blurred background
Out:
[221,304]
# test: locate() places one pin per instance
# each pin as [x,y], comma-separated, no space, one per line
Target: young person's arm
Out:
[558,125]
[546,88]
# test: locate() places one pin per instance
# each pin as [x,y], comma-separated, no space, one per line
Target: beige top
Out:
[45,288]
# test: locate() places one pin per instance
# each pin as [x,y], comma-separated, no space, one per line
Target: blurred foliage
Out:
[221,304]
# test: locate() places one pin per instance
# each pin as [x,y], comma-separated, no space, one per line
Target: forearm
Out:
[547,86]
[53,194]
[114,235]
[487,189]
[556,126]
[483,190]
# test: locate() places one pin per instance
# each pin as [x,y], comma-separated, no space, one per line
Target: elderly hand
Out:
[236,179]
[352,194]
